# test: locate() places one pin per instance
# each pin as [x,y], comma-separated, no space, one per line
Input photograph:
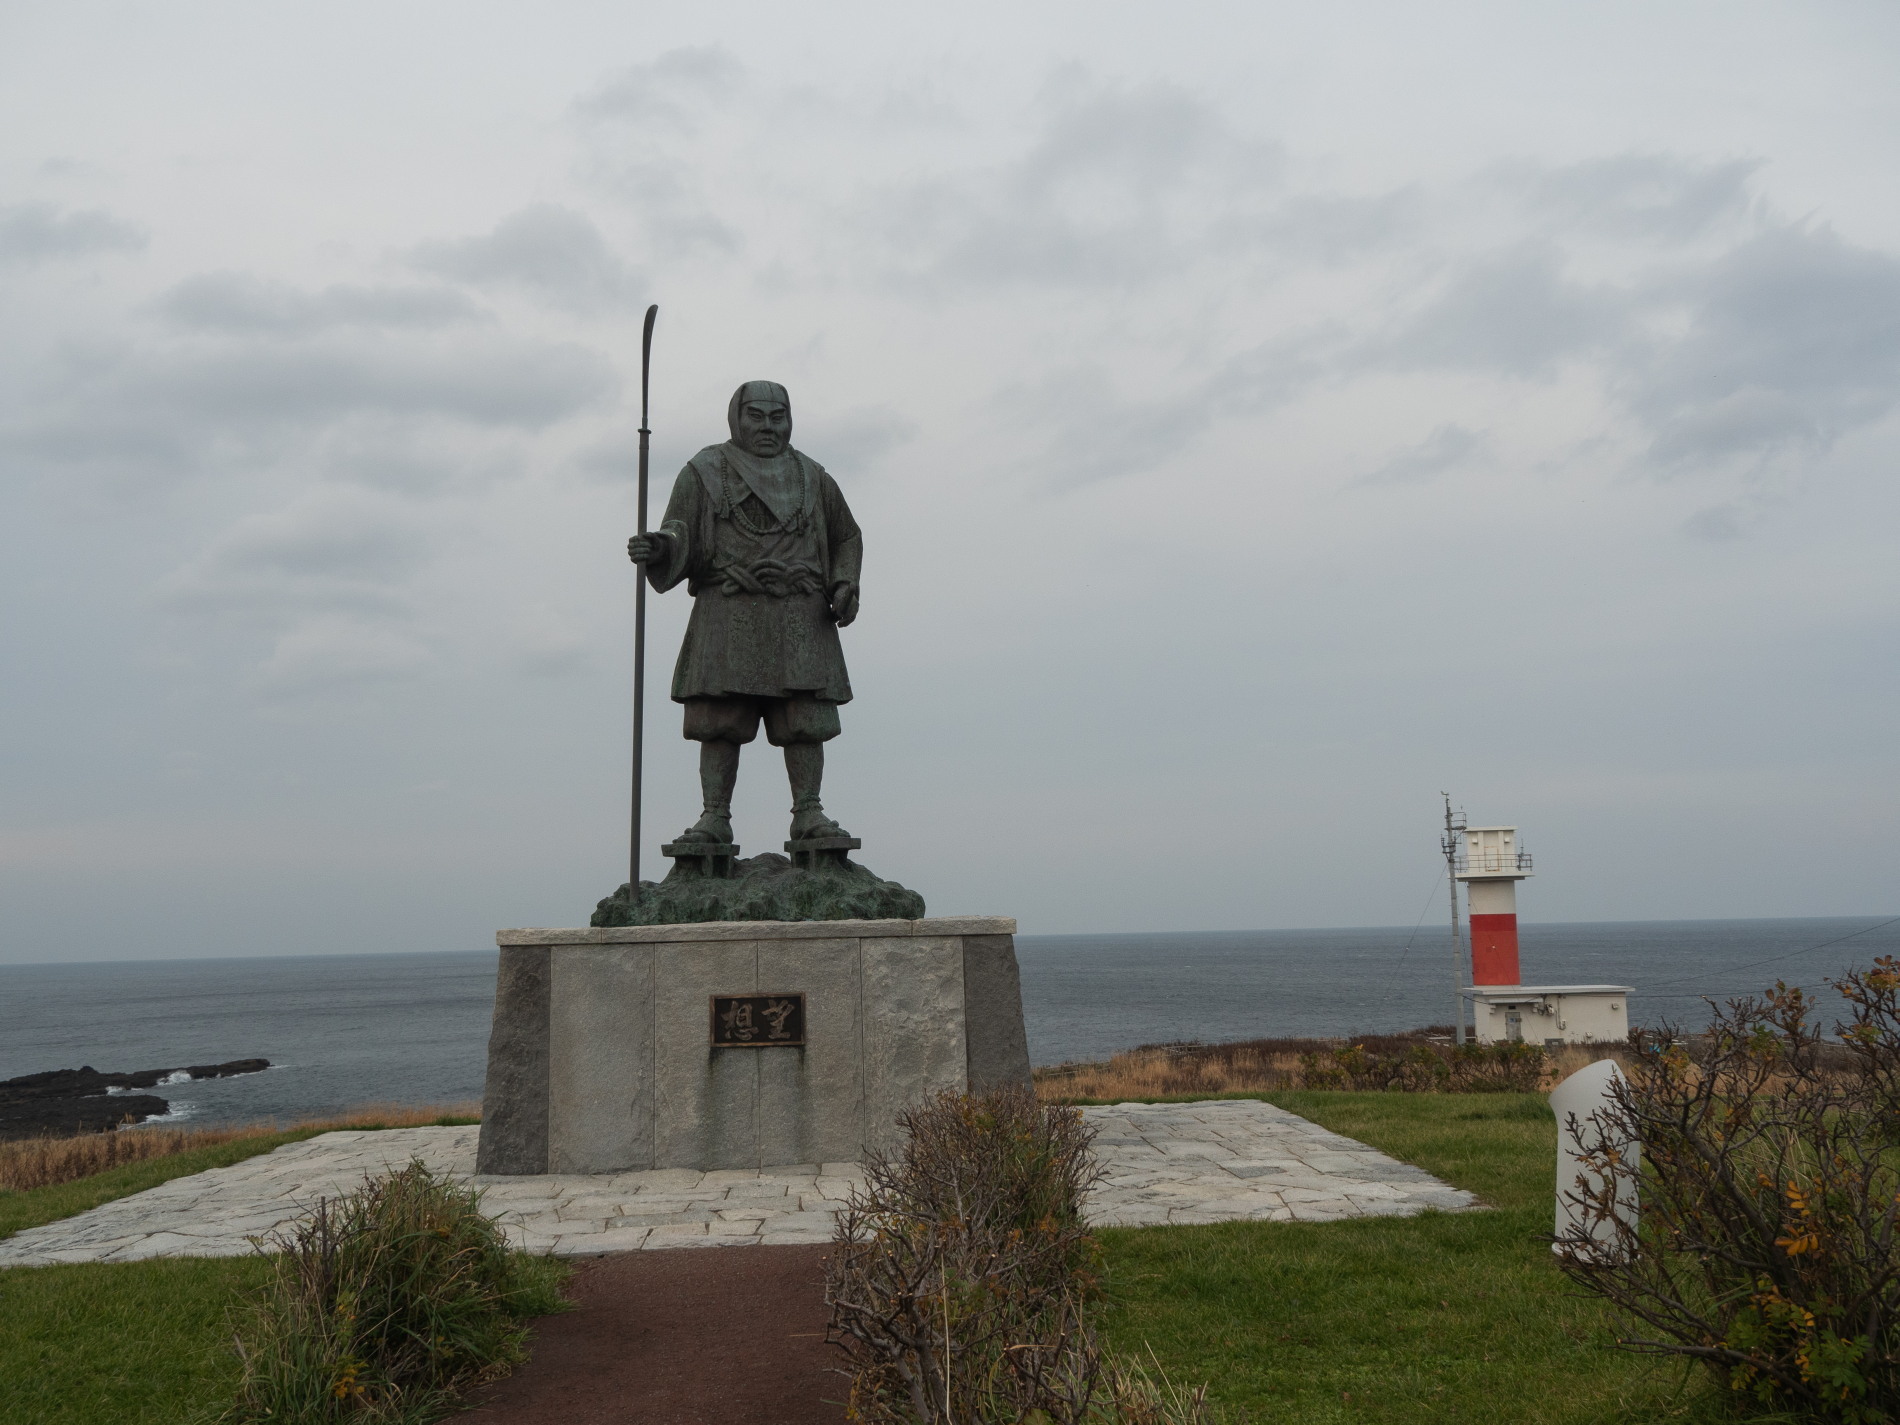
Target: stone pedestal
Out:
[602,1058]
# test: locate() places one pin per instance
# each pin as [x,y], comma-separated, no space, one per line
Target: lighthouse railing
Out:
[1495,862]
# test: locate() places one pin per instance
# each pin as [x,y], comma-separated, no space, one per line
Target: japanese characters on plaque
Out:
[758,1021]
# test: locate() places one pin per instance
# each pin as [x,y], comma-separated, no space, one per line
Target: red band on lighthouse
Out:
[1494,929]
[1494,949]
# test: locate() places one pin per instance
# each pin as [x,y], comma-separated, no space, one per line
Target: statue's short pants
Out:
[736,719]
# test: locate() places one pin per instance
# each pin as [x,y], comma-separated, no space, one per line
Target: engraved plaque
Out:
[758,1021]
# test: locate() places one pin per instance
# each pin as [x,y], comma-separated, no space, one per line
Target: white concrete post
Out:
[1580,1102]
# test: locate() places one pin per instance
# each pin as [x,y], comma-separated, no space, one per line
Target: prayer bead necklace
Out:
[736,502]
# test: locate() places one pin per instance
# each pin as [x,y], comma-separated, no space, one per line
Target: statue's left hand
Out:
[844,602]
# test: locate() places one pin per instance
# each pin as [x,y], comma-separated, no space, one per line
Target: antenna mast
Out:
[1448,843]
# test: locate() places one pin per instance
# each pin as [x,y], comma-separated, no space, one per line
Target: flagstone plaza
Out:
[1165,1163]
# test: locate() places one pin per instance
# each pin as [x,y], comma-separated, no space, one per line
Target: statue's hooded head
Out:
[760,418]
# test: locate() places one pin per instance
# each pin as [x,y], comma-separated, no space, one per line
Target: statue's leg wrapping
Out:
[805,770]
[718,774]
[802,726]
[720,726]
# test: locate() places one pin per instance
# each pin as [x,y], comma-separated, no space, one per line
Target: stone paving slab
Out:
[1219,1161]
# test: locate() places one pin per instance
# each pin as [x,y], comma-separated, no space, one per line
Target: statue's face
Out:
[765,427]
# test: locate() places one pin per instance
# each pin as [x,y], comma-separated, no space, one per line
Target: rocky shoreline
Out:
[84,1100]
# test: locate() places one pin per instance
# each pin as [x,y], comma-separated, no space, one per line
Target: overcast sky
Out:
[1261,417]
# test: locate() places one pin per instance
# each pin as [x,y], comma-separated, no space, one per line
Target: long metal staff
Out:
[640,622]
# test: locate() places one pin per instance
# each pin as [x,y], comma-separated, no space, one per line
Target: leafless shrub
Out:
[1769,1186]
[1509,1067]
[963,1267]
[963,1278]
[1512,1067]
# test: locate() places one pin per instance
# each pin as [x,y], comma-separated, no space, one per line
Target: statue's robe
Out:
[762,624]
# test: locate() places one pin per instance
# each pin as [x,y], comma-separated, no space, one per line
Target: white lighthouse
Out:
[1504,1008]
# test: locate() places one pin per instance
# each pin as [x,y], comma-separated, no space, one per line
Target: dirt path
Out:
[712,1336]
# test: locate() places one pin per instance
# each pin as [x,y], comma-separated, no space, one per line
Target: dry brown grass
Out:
[1249,1066]
[27,1163]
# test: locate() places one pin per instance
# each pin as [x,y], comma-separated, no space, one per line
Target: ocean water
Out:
[348,1030]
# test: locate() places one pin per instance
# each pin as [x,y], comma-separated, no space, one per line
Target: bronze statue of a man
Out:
[770,553]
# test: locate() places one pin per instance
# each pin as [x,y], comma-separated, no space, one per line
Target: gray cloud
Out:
[321,592]
[1274,371]
[1513,312]
[331,654]
[675,91]
[1645,196]
[329,553]
[501,383]
[165,410]
[1327,229]
[1717,524]
[1448,446]
[857,439]
[624,122]
[417,458]
[542,643]
[1776,341]
[668,200]
[554,253]
[39,232]
[609,461]
[1094,432]
[1118,185]
[237,302]
[1791,338]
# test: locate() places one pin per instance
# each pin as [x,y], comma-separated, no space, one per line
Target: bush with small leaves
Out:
[1769,1189]
[383,1303]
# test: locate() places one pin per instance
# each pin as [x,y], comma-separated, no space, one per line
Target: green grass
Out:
[1443,1317]
[134,1343]
[139,1343]
[123,1343]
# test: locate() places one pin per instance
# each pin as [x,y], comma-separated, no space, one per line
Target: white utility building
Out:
[1551,1014]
